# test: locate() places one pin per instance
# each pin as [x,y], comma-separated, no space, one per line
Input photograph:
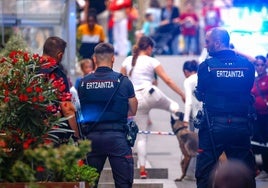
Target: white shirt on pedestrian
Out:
[143,72]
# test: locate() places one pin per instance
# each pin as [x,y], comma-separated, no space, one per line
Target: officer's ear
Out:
[218,44]
[112,59]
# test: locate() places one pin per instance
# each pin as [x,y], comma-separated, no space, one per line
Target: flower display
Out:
[47,163]
[29,119]
[27,99]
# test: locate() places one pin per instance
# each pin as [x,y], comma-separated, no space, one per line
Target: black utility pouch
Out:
[199,120]
[131,132]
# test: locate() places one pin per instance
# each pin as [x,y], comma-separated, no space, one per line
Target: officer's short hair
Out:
[222,35]
[103,52]
[104,48]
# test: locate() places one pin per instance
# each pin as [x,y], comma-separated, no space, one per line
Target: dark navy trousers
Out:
[226,134]
[112,145]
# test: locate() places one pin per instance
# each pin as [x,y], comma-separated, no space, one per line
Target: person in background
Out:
[87,66]
[189,26]
[148,26]
[89,35]
[141,69]
[260,128]
[54,47]
[120,30]
[169,15]
[211,15]
[102,12]
[155,9]
[110,28]
[191,106]
[224,86]
[105,111]
[80,6]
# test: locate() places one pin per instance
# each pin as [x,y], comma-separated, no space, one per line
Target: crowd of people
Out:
[176,30]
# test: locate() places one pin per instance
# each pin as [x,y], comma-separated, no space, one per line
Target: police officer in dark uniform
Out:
[224,84]
[105,110]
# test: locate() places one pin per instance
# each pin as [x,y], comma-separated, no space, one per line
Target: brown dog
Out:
[188,142]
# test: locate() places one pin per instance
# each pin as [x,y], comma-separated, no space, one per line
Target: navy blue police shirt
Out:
[224,83]
[95,91]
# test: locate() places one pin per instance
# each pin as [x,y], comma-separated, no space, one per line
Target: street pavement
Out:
[163,150]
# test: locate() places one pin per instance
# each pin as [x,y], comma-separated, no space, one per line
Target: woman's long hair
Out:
[142,44]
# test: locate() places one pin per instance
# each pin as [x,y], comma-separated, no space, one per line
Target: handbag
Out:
[131,132]
[119,4]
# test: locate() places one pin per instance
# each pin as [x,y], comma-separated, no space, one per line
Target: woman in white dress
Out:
[140,68]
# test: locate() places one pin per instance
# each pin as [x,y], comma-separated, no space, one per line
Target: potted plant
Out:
[28,120]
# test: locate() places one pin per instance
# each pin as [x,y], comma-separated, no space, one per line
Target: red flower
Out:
[36,56]
[28,142]
[6,92]
[34,99]
[38,89]
[51,108]
[26,145]
[58,83]
[3,60]
[6,99]
[52,77]
[52,62]
[66,96]
[80,162]
[47,62]
[29,89]
[14,61]
[26,57]
[13,54]
[23,97]
[41,98]
[40,169]
[3,144]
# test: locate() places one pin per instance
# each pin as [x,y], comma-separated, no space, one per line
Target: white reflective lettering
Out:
[227,74]
[100,85]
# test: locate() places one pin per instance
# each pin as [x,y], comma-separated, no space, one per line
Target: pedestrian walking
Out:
[141,69]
